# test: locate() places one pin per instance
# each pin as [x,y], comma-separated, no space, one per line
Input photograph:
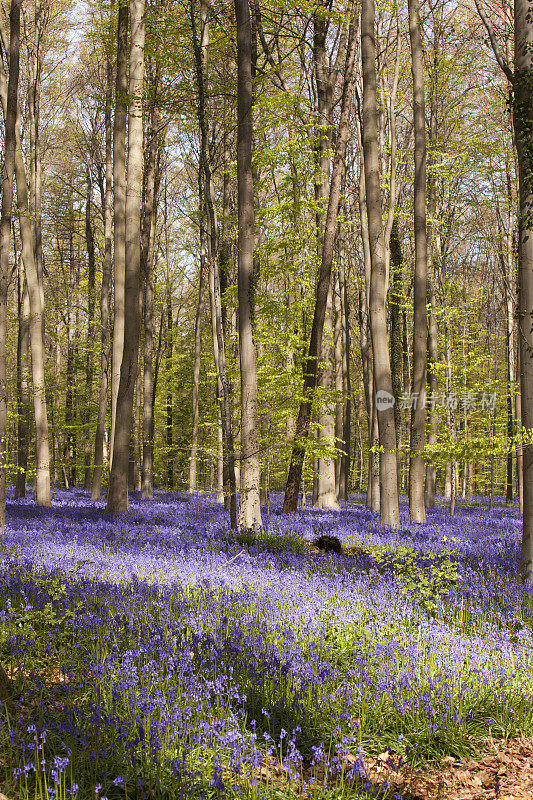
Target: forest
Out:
[266,399]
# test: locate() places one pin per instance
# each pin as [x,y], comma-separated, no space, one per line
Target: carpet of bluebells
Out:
[160,655]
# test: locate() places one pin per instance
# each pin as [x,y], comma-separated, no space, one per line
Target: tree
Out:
[119,209]
[389,510]
[521,81]
[417,471]
[117,500]
[250,509]
[5,233]
[36,314]
[294,478]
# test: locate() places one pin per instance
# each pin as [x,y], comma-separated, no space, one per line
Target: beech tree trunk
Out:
[519,454]
[294,478]
[151,186]
[523,128]
[327,496]
[105,297]
[197,360]
[23,386]
[119,210]
[69,465]
[91,265]
[325,80]
[5,234]
[42,478]
[200,53]
[344,477]
[339,389]
[395,298]
[389,511]
[417,512]
[223,393]
[215,276]
[169,423]
[117,501]
[433,357]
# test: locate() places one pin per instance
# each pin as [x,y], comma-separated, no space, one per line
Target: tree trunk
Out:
[69,467]
[389,510]
[119,210]
[223,394]
[169,423]
[346,388]
[433,357]
[325,85]
[117,501]
[395,298]
[372,490]
[23,387]
[42,481]
[509,290]
[417,512]
[5,234]
[519,453]
[151,185]
[89,366]
[290,502]
[105,297]
[523,127]
[327,497]
[200,51]
[197,355]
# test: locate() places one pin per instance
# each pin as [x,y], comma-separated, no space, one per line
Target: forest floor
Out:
[160,655]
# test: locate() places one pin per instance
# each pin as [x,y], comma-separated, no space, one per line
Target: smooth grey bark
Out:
[451,466]
[519,451]
[89,368]
[193,469]
[433,381]
[105,296]
[372,491]
[149,209]
[389,511]
[169,403]
[396,356]
[117,499]
[417,512]
[119,210]
[294,478]
[5,235]
[42,478]
[223,393]
[69,454]
[523,127]
[521,80]
[216,275]
[344,475]
[200,51]
[34,40]
[433,250]
[339,388]
[325,80]
[23,386]
[327,496]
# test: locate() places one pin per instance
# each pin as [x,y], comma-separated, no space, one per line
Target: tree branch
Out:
[504,66]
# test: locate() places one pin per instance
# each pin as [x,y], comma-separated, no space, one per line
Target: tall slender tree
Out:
[294,478]
[119,208]
[5,232]
[417,512]
[117,500]
[250,508]
[521,81]
[389,509]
